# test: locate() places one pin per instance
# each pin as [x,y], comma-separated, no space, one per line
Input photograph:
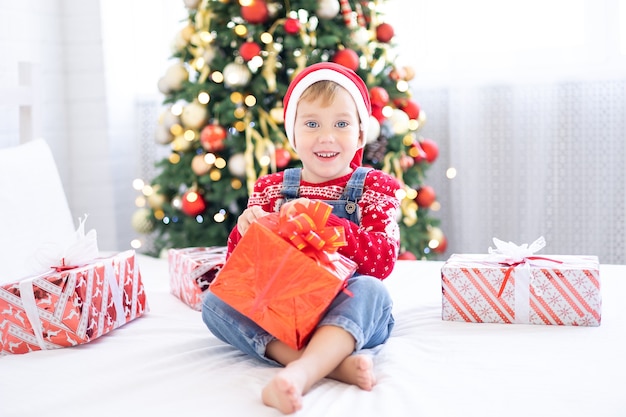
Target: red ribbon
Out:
[304,226]
[511,267]
[63,267]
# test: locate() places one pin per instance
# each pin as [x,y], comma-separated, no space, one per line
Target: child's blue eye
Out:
[342,124]
[311,124]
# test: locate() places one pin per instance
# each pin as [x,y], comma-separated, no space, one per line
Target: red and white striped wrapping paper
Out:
[551,289]
[70,306]
[191,271]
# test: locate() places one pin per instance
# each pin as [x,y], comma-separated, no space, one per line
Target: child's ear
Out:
[361,141]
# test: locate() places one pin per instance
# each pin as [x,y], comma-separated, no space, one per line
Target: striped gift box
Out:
[192,270]
[71,305]
[551,289]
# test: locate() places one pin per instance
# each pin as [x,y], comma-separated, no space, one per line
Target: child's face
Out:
[327,136]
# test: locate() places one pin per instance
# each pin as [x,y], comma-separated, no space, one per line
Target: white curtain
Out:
[527,102]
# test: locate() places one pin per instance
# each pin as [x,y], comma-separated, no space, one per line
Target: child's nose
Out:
[326,135]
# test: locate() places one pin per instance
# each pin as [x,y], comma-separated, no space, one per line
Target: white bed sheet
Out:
[166,363]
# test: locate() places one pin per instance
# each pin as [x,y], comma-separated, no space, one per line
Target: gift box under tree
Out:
[285,272]
[512,284]
[191,271]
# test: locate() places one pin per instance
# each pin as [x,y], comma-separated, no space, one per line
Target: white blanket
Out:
[166,363]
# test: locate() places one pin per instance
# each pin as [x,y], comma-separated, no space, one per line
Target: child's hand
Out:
[249,215]
[289,208]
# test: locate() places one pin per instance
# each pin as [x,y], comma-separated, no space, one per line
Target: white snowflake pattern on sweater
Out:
[373,244]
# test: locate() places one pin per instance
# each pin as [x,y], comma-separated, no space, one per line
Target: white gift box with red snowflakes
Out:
[550,289]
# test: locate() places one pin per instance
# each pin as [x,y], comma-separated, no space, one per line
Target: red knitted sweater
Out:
[373,244]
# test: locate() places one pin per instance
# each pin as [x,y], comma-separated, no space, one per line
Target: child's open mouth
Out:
[326,154]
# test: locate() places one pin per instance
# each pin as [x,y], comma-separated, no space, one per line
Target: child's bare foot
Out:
[356,370]
[283,393]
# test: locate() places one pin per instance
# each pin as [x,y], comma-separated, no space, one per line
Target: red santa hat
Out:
[328,71]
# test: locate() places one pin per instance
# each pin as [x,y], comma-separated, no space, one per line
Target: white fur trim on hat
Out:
[325,74]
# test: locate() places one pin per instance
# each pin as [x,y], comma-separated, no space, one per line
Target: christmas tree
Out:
[222,116]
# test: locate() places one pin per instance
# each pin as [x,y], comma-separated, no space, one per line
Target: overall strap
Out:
[291,183]
[354,188]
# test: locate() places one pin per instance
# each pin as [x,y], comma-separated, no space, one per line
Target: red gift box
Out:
[551,289]
[70,305]
[285,272]
[192,270]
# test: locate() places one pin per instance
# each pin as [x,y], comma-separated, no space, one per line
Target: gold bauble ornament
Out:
[278,114]
[199,165]
[142,221]
[156,200]
[194,115]
[173,78]
[180,144]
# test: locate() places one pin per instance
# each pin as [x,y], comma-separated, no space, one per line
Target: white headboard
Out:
[25,94]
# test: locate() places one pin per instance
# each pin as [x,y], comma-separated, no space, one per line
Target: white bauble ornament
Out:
[163,135]
[373,130]
[191,4]
[168,119]
[398,121]
[142,221]
[237,165]
[194,115]
[209,54]
[327,9]
[163,86]
[236,75]
[175,75]
[178,43]
[362,36]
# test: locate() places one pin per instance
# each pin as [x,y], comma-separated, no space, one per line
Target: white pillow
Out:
[33,207]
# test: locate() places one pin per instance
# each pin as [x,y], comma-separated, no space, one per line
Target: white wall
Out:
[93,62]
[63,40]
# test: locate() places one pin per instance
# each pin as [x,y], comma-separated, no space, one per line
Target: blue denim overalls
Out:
[366,315]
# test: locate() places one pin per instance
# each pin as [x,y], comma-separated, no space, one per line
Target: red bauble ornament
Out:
[443,245]
[416,151]
[397,74]
[425,196]
[212,137]
[292,26]
[406,256]
[384,32]
[192,203]
[283,157]
[249,50]
[348,58]
[256,12]
[411,108]
[406,162]
[379,96]
[431,149]
[377,112]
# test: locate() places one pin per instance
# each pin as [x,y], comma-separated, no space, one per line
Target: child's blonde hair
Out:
[325,90]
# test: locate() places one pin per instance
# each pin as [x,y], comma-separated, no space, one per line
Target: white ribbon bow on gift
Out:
[74,250]
[77,250]
[516,256]
[509,253]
